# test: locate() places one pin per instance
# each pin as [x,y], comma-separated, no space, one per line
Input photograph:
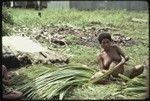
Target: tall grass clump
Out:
[56,84]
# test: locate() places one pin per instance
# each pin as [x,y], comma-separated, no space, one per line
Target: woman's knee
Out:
[137,70]
[140,68]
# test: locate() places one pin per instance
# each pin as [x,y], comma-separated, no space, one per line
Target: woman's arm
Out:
[122,53]
[100,62]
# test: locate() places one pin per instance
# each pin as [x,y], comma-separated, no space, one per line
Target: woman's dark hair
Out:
[104,36]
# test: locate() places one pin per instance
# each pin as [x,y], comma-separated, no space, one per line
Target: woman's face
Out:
[105,44]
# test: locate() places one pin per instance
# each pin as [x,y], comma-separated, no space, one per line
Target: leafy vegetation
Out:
[136,87]
[56,82]
[7,20]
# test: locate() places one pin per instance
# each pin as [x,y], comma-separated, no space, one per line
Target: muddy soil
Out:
[86,35]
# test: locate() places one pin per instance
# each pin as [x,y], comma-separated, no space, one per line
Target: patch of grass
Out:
[137,54]
[119,18]
[27,74]
[92,92]
[83,54]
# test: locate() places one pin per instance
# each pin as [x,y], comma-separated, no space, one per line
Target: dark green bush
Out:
[5,28]
[7,20]
[6,16]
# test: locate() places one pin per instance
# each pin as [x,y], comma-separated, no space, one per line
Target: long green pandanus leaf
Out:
[59,78]
[31,95]
[62,94]
[29,90]
[132,81]
[143,75]
[72,65]
[124,77]
[57,87]
[65,75]
[136,89]
[100,78]
[52,82]
[40,73]
[79,67]
[24,87]
[63,85]
[69,68]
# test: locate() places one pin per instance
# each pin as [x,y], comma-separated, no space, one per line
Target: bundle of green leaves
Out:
[56,83]
[137,85]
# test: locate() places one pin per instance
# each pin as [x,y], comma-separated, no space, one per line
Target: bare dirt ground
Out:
[22,51]
[23,44]
[84,36]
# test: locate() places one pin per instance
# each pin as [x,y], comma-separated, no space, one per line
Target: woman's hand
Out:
[124,59]
[104,71]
